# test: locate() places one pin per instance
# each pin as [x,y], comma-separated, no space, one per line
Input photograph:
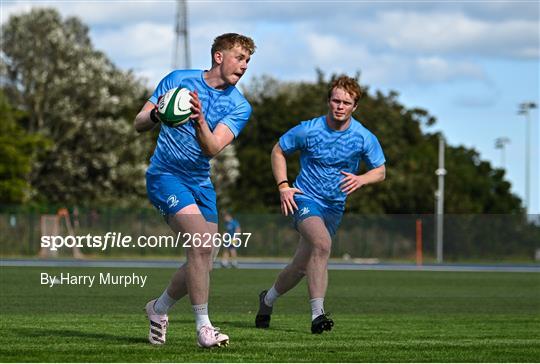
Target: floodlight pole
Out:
[181,41]
[500,143]
[524,109]
[439,197]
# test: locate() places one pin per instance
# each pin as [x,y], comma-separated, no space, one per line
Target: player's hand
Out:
[197,114]
[286,195]
[351,182]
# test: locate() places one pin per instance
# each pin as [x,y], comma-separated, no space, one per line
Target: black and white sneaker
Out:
[321,323]
[262,320]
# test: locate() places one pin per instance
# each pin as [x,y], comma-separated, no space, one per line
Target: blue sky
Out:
[469,63]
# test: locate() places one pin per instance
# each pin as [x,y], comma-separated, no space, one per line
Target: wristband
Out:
[282,182]
[154,117]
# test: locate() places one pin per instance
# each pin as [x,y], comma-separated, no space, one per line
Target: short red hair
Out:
[347,84]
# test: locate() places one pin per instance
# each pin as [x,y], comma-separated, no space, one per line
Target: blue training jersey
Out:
[231,226]
[178,150]
[325,152]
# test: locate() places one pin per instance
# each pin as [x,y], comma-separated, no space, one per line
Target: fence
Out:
[384,237]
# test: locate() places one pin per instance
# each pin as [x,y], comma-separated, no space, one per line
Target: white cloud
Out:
[337,55]
[452,33]
[436,69]
[101,13]
[390,43]
[140,40]
[9,9]
[327,49]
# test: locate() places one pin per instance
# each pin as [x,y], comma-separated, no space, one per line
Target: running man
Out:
[178,178]
[331,148]
[233,227]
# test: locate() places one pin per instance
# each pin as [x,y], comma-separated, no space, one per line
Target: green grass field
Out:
[380,316]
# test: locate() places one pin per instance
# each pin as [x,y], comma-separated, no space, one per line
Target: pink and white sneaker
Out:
[209,337]
[158,325]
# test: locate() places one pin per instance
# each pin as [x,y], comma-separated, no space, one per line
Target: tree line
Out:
[67,138]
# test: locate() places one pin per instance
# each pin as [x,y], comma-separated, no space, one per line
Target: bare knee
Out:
[321,248]
[201,252]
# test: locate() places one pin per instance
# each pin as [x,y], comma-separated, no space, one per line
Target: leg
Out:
[289,277]
[293,273]
[171,196]
[234,258]
[225,258]
[195,273]
[157,309]
[310,259]
[315,233]
[177,287]
[213,229]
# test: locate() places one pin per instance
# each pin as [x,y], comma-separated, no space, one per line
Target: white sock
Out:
[164,303]
[317,307]
[271,297]
[201,315]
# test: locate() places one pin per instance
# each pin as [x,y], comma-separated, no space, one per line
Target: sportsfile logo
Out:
[121,240]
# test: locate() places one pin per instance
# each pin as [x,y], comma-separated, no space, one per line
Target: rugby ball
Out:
[174,107]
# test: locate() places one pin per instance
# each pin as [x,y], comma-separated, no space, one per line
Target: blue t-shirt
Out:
[178,150]
[325,152]
[231,226]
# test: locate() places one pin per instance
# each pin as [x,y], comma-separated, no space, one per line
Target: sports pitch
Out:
[380,316]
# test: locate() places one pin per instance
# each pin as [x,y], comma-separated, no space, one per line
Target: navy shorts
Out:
[331,216]
[169,194]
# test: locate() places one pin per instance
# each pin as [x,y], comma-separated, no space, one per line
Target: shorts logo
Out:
[172,201]
[303,211]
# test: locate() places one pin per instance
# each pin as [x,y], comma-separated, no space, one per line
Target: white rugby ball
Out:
[174,108]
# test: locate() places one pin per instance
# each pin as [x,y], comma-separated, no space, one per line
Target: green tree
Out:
[18,149]
[472,185]
[224,173]
[76,97]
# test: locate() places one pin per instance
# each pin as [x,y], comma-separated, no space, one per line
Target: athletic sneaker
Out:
[262,320]
[321,323]
[209,337]
[158,325]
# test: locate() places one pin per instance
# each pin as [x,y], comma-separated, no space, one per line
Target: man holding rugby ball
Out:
[178,178]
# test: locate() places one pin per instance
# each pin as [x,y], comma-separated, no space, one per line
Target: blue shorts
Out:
[170,193]
[331,216]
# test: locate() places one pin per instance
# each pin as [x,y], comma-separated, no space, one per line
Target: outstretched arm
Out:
[286,193]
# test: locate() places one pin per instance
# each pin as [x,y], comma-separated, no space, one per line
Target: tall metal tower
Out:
[524,109]
[181,43]
[500,143]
